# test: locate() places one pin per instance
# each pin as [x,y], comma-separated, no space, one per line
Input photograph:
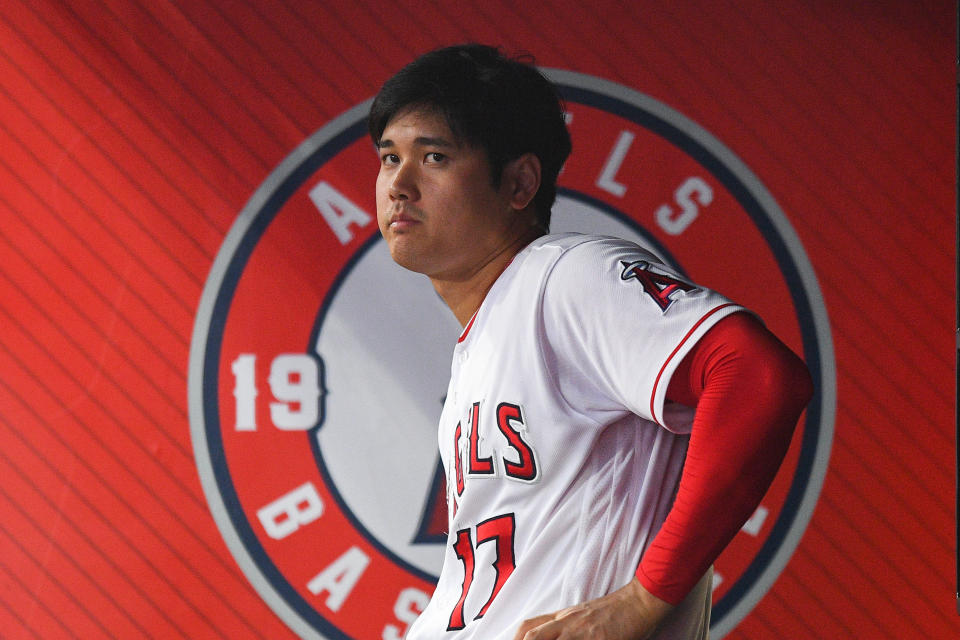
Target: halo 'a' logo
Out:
[318,367]
[658,286]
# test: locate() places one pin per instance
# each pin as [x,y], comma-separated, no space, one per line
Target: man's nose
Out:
[403,185]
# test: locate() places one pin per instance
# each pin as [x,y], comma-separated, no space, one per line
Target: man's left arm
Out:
[749,390]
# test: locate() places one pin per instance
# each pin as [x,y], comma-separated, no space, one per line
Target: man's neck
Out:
[465,295]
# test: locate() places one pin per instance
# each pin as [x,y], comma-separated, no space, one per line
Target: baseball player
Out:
[608,425]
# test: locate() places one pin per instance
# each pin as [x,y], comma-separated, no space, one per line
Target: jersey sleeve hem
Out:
[706,321]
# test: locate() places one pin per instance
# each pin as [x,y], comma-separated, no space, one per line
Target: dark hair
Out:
[504,106]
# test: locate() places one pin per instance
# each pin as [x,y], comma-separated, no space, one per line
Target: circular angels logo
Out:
[318,366]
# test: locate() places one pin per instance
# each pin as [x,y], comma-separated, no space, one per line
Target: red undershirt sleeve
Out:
[749,391]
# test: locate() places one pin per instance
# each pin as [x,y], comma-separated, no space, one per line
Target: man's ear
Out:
[522,177]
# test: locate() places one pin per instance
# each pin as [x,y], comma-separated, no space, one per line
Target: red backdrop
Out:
[132,135]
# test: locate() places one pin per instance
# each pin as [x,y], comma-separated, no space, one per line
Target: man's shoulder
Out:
[588,246]
[568,240]
[582,257]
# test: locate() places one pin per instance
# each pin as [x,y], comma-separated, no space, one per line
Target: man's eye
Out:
[389,158]
[435,156]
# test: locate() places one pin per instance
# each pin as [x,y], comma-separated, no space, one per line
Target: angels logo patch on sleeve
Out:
[658,286]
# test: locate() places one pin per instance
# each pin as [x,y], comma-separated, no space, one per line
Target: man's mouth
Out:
[402,220]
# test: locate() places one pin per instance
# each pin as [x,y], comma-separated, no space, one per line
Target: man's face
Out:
[437,207]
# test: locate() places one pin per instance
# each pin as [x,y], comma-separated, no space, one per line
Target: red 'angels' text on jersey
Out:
[561,457]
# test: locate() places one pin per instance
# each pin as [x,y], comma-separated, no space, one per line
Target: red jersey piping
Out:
[693,329]
[466,329]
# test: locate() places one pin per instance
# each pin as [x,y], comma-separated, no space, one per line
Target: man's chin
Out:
[406,260]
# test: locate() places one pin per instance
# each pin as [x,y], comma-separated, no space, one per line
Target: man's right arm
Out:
[749,390]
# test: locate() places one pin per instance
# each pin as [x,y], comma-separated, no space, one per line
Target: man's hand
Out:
[629,613]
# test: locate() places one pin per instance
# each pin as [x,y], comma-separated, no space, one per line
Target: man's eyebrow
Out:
[423,141]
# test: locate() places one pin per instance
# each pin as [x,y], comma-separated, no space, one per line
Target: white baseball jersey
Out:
[561,457]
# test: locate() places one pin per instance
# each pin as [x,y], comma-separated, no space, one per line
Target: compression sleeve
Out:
[749,390]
